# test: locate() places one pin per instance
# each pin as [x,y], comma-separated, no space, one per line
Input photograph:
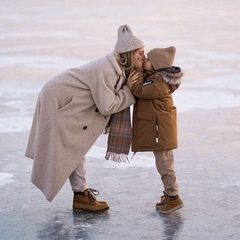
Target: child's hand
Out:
[132,79]
[137,62]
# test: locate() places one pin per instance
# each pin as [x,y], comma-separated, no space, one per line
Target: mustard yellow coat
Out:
[154,114]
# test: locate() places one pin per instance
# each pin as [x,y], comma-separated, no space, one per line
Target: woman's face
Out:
[139,54]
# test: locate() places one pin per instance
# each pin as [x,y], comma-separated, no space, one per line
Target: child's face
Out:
[147,64]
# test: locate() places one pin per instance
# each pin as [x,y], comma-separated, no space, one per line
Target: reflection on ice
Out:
[172,225]
[100,226]
[83,226]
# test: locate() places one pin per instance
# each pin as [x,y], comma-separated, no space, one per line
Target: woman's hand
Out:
[132,79]
[137,61]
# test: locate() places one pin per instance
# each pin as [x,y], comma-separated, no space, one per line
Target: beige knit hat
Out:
[126,41]
[162,57]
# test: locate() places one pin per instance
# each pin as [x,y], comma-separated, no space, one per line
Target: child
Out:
[154,118]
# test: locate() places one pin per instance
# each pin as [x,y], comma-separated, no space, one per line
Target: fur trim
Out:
[171,78]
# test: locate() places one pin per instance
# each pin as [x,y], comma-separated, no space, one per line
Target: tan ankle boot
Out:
[87,201]
[169,204]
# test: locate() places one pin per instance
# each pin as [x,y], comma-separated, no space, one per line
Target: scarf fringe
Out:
[115,157]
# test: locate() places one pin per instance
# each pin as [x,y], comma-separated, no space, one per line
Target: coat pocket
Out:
[167,129]
[65,105]
[146,130]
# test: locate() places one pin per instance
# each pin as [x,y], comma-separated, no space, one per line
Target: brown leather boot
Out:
[87,201]
[169,204]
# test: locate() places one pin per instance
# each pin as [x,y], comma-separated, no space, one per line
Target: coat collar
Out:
[171,76]
[113,58]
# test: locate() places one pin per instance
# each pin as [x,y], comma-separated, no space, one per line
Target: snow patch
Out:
[6,178]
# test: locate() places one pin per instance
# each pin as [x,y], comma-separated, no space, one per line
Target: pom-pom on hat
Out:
[162,57]
[127,41]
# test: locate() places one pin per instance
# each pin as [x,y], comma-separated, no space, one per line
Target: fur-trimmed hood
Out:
[172,76]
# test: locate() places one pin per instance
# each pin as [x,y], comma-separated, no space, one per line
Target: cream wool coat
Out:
[72,110]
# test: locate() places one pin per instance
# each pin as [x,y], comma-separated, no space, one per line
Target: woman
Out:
[72,110]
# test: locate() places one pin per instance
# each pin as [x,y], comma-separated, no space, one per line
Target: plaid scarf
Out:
[120,136]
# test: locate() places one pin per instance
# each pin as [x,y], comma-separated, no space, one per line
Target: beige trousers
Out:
[165,167]
[78,177]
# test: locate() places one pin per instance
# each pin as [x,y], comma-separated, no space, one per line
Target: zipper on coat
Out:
[157,133]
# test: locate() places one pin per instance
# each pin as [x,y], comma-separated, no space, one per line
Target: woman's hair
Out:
[125,62]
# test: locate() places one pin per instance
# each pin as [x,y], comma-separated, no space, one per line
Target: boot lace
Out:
[164,198]
[92,193]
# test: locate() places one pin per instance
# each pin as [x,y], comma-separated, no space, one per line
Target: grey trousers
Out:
[78,177]
[165,166]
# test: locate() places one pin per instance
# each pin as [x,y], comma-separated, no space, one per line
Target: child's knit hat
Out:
[126,41]
[162,57]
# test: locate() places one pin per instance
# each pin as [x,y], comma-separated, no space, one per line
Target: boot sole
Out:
[82,210]
[171,210]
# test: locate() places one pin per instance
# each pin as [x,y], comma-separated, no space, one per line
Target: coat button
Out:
[85,127]
[96,110]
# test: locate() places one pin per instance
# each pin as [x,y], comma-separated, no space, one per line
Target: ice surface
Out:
[6,178]
[40,39]
[205,94]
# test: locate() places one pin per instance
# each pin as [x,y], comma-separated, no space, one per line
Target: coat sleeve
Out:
[108,98]
[146,89]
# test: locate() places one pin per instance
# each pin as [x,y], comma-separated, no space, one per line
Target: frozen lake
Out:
[40,39]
